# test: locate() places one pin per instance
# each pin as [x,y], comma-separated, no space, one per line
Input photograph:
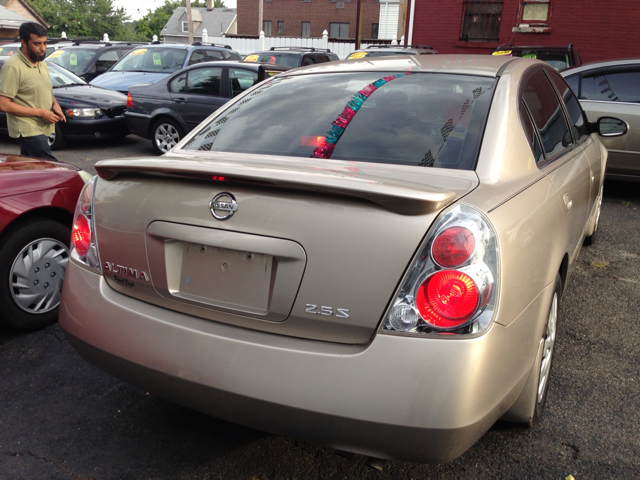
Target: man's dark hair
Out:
[27,28]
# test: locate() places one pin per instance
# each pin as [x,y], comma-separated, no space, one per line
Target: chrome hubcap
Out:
[36,275]
[166,137]
[549,342]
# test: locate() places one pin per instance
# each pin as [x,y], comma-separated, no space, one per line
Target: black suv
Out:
[90,59]
[556,56]
[293,56]
[389,50]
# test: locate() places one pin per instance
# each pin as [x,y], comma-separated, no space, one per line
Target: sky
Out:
[139,8]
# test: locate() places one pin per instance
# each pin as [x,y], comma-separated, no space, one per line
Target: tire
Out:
[549,341]
[590,239]
[528,408]
[33,255]
[56,139]
[165,134]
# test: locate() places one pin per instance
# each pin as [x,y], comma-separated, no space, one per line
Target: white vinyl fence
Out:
[245,46]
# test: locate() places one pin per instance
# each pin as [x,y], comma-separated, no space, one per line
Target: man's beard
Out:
[34,56]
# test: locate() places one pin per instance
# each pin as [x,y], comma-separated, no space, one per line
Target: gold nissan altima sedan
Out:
[365,254]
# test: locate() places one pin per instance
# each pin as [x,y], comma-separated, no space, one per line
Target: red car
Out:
[37,202]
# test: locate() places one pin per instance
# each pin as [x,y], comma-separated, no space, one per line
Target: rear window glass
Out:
[417,119]
[160,60]
[557,60]
[274,59]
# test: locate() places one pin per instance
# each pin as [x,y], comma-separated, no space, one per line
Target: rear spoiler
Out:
[426,193]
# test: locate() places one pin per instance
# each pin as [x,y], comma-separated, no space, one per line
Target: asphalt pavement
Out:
[62,418]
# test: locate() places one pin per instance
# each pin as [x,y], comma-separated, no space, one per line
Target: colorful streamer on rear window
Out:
[325,150]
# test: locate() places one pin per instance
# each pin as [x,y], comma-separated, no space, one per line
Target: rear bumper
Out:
[89,129]
[413,399]
[138,124]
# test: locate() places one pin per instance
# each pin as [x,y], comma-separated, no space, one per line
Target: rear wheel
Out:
[56,139]
[33,260]
[592,238]
[165,134]
[529,406]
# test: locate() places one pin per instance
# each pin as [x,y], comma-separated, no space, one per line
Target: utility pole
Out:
[358,22]
[189,22]
[260,21]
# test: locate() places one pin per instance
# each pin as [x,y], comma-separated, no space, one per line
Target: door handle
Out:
[180,100]
[568,202]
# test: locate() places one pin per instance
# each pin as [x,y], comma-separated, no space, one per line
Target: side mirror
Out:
[611,127]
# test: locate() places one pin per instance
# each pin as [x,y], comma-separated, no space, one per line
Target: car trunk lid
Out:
[310,248]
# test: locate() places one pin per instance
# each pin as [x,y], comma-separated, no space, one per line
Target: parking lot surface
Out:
[63,418]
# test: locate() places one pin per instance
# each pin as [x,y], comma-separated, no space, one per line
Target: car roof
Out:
[484,65]
[292,51]
[600,64]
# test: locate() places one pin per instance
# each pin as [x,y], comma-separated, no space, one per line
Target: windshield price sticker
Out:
[73,59]
[358,55]
[138,52]
[251,58]
[56,54]
[156,59]
[502,52]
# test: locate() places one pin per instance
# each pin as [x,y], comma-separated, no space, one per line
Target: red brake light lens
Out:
[81,235]
[447,299]
[453,247]
[129,100]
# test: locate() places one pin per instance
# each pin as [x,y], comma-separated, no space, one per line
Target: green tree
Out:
[82,18]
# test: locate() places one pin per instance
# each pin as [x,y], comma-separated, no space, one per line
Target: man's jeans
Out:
[36,146]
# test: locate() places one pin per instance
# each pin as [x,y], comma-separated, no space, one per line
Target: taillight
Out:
[84,244]
[453,246]
[81,235]
[129,100]
[450,285]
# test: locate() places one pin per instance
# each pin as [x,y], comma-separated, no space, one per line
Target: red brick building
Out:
[308,18]
[599,30]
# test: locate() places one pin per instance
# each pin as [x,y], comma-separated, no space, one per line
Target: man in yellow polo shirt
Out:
[26,94]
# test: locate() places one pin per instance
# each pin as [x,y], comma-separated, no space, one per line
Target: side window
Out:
[179,84]
[322,57]
[308,60]
[547,114]
[530,132]
[204,81]
[107,59]
[612,86]
[574,83]
[197,56]
[576,117]
[240,80]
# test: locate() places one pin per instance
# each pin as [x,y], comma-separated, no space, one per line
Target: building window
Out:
[266,28]
[535,13]
[481,20]
[374,30]
[185,26]
[280,27]
[306,29]
[339,30]
[307,1]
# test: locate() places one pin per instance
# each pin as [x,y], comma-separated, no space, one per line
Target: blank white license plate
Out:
[226,277]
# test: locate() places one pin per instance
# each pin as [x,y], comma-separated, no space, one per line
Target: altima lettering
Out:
[126,271]
[322,310]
